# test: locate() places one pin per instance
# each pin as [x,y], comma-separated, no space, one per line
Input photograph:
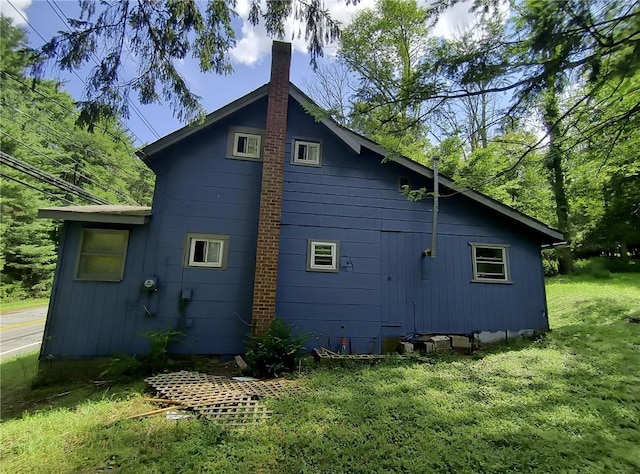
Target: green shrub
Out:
[618,265]
[550,267]
[595,268]
[273,352]
[157,358]
[124,365]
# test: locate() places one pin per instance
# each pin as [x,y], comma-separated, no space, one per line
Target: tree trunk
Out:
[624,251]
[554,164]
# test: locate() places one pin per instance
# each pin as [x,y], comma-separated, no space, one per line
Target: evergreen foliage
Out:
[159,34]
[38,127]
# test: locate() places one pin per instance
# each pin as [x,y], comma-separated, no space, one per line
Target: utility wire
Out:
[45,41]
[5,176]
[97,181]
[69,139]
[26,168]
[17,140]
[60,14]
[74,112]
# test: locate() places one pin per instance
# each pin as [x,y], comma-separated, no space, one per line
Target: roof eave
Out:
[554,235]
[339,131]
[140,216]
[148,151]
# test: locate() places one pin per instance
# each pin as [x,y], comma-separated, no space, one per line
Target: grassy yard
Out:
[569,402]
[22,304]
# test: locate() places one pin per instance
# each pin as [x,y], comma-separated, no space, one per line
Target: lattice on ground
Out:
[220,398]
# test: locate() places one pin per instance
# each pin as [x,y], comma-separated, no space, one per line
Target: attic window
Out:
[490,263]
[102,255]
[306,153]
[404,184]
[246,145]
[207,250]
[322,256]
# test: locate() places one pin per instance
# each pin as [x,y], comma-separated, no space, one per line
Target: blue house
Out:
[263,211]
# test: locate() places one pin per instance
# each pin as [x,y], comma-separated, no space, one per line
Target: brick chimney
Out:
[266,275]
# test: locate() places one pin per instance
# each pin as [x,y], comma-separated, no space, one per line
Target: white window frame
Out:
[309,145]
[481,277]
[312,265]
[249,136]
[190,246]
[83,254]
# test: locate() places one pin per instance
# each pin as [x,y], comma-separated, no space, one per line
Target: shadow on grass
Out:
[22,394]
[613,279]
[154,445]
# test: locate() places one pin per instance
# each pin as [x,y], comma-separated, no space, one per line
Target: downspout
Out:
[434,221]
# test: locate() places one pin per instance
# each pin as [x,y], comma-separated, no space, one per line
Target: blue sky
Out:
[250,57]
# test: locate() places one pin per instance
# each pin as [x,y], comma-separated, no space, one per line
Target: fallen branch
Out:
[155,412]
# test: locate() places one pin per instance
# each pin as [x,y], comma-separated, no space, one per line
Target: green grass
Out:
[568,402]
[22,304]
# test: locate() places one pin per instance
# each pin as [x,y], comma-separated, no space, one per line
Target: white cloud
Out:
[456,19]
[255,44]
[453,20]
[9,11]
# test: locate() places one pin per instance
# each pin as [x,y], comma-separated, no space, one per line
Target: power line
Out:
[17,140]
[60,14]
[26,168]
[5,176]
[97,181]
[74,112]
[26,21]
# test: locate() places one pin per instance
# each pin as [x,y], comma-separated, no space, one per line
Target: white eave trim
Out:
[132,215]
[146,152]
[481,199]
[343,134]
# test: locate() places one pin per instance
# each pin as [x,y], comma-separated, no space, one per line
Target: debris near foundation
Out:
[324,356]
[216,398]
[427,343]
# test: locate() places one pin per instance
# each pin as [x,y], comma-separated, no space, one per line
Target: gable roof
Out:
[356,142]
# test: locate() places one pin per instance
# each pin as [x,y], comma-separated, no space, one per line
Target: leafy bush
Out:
[157,357]
[618,265]
[595,267]
[550,267]
[273,352]
[123,365]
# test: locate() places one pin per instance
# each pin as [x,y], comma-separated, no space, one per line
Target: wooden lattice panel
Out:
[220,398]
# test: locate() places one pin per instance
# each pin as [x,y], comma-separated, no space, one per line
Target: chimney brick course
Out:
[268,247]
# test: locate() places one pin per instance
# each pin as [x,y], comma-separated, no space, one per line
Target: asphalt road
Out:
[21,331]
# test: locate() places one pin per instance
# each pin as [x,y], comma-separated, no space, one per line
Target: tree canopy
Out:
[528,106]
[158,34]
[38,130]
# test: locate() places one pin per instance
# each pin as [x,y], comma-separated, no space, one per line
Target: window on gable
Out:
[306,153]
[490,263]
[207,250]
[102,255]
[322,256]
[246,145]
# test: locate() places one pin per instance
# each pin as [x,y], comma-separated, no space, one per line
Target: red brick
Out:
[264,292]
